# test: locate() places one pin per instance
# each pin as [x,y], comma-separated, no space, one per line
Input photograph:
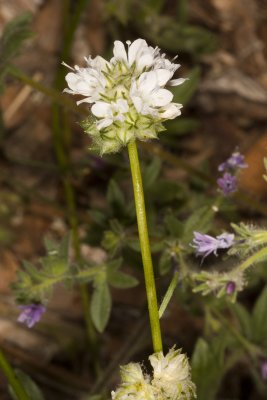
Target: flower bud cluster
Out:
[128,95]
[171,379]
[228,182]
[220,284]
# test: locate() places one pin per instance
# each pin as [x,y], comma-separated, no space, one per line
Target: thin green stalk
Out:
[55,95]
[169,293]
[252,349]
[145,247]
[12,379]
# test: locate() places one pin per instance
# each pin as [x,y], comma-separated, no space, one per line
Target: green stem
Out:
[169,293]
[145,247]
[12,379]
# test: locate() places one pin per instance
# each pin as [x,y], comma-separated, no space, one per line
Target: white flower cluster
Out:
[171,379]
[127,93]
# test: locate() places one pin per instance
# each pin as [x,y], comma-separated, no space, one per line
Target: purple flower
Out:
[230,287]
[236,161]
[228,183]
[206,244]
[31,314]
[264,370]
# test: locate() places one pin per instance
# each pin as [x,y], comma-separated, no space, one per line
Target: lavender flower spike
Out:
[228,183]
[236,161]
[31,314]
[206,244]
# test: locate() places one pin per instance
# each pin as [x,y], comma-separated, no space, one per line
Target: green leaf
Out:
[174,226]
[200,221]
[101,306]
[98,217]
[30,387]
[259,320]
[180,126]
[121,280]
[244,319]
[164,263]
[115,196]
[151,173]
[166,191]
[11,41]
[208,367]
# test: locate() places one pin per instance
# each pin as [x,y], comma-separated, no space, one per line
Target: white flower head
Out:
[128,94]
[134,386]
[172,375]
[171,379]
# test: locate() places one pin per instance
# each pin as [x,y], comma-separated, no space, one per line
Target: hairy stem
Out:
[145,247]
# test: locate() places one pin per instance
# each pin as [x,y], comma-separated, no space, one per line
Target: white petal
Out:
[176,82]
[147,82]
[146,60]
[135,50]
[71,79]
[163,76]
[89,100]
[138,103]
[83,88]
[171,111]
[101,109]
[119,51]
[103,123]
[161,98]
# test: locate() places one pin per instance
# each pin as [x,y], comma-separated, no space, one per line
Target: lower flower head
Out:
[31,314]
[171,379]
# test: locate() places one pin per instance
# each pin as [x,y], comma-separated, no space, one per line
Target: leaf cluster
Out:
[11,41]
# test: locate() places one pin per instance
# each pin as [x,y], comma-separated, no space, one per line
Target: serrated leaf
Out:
[101,306]
[259,320]
[30,387]
[121,280]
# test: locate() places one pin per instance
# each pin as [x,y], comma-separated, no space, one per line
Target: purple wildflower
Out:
[264,370]
[236,161]
[228,183]
[206,244]
[230,287]
[31,314]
